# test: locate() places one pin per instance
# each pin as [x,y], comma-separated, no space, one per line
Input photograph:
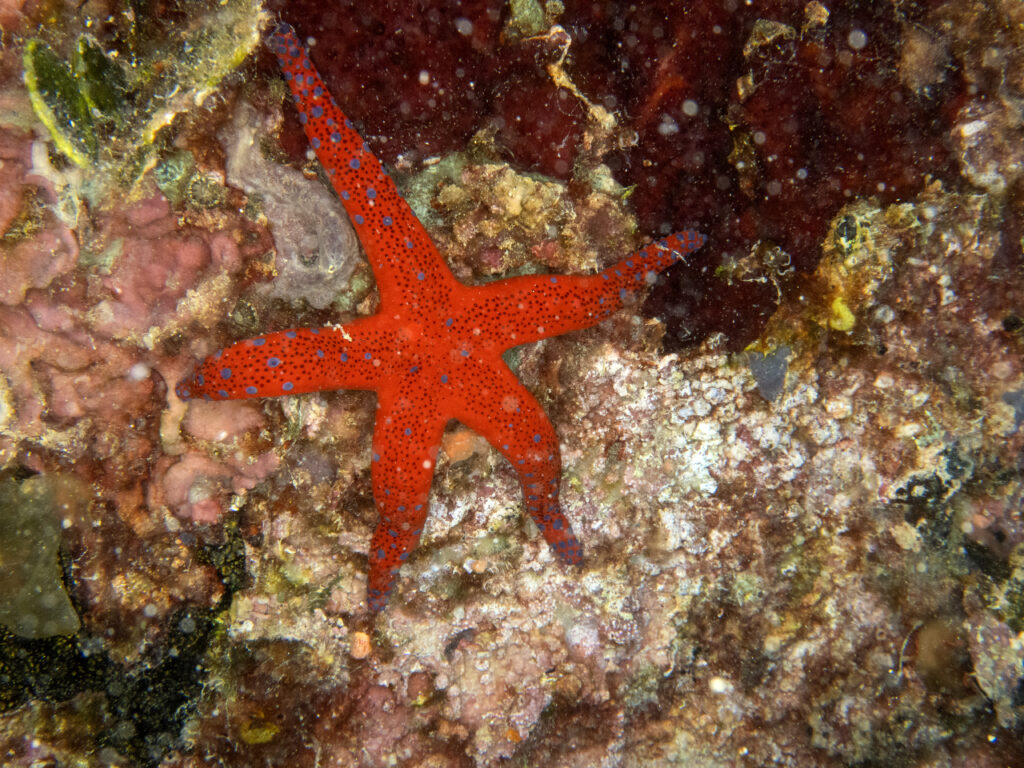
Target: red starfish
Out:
[433,350]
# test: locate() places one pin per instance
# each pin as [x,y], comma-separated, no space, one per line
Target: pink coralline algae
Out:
[155,265]
[196,486]
[28,222]
[72,385]
[807,553]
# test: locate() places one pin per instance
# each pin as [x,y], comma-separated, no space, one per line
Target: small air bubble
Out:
[857,39]
[884,314]
[464,26]
[720,685]
[690,108]
[138,372]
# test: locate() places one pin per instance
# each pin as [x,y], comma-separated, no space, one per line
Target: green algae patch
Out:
[106,105]
[59,103]
[33,601]
[104,84]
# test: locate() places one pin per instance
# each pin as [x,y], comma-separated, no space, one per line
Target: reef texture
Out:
[799,485]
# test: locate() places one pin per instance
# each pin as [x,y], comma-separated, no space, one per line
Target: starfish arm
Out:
[405,262]
[292,362]
[510,418]
[406,437]
[525,309]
